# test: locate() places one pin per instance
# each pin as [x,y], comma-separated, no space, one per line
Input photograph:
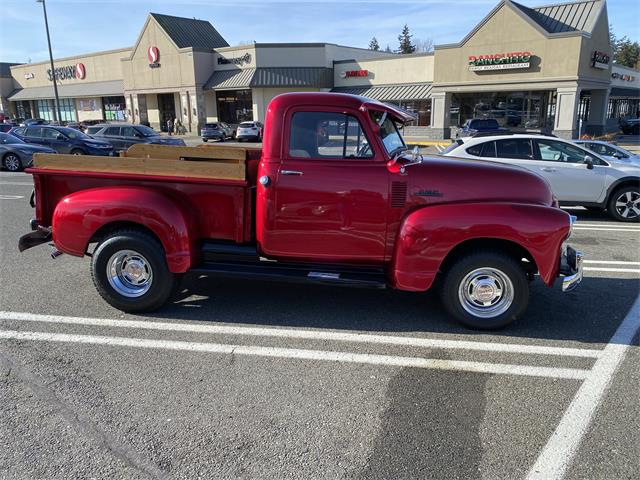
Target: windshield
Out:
[73,134]
[146,131]
[5,138]
[389,133]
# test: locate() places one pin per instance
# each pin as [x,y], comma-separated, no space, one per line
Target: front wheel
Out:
[624,204]
[12,162]
[130,272]
[485,290]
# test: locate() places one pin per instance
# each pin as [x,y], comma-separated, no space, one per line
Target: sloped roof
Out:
[74,90]
[5,69]
[190,32]
[565,17]
[385,93]
[317,77]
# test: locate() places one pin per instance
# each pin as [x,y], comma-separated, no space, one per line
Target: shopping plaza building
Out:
[547,69]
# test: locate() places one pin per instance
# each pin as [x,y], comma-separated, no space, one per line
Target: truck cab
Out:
[334,196]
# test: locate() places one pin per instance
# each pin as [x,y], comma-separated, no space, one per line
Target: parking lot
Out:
[243,379]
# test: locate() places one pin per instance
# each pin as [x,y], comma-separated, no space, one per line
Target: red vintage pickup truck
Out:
[334,197]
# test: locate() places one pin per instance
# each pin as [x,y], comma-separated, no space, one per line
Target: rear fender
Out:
[78,216]
[429,234]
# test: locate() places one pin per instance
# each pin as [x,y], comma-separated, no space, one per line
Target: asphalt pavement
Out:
[244,379]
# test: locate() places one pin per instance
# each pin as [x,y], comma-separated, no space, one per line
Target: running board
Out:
[297,273]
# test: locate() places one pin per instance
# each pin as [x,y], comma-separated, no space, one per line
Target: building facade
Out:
[545,69]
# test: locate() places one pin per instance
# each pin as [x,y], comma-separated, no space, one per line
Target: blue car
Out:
[123,135]
[63,140]
[475,126]
[17,155]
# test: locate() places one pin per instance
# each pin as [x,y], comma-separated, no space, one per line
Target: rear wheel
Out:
[130,272]
[12,162]
[77,151]
[485,290]
[204,140]
[624,204]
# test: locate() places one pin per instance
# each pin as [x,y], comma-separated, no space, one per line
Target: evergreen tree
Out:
[627,53]
[374,45]
[406,46]
[388,49]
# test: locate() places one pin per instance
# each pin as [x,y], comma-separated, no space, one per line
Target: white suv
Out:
[576,176]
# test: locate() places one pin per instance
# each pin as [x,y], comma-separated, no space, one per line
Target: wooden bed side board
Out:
[215,152]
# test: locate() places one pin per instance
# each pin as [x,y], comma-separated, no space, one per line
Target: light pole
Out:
[56,112]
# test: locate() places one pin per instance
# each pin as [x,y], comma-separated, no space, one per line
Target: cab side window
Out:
[114,131]
[327,135]
[50,133]
[555,151]
[34,132]
[518,148]
[126,132]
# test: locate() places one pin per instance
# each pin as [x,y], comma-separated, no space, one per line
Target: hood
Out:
[633,161]
[448,179]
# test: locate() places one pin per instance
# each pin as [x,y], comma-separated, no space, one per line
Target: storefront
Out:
[545,69]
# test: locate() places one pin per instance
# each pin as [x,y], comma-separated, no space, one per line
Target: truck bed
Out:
[216,183]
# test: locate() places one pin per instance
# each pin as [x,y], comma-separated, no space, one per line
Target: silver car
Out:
[609,151]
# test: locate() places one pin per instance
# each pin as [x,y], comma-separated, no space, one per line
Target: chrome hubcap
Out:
[486,292]
[628,205]
[129,273]
[12,163]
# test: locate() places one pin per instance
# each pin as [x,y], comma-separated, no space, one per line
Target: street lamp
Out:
[56,112]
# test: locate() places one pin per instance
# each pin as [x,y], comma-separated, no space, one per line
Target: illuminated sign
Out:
[500,61]
[153,54]
[68,72]
[355,73]
[600,60]
[623,77]
[246,58]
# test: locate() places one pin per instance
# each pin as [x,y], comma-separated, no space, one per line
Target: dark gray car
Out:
[123,135]
[16,154]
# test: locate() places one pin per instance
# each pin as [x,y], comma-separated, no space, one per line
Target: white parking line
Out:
[605,229]
[17,183]
[607,225]
[307,335]
[300,354]
[11,197]
[621,270]
[563,444]
[611,262]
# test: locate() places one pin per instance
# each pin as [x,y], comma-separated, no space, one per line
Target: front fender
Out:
[78,216]
[429,234]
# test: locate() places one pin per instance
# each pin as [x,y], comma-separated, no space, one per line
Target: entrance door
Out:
[332,192]
[167,109]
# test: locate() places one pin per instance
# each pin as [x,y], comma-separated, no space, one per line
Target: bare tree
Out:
[424,45]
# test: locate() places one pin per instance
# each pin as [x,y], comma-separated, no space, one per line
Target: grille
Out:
[398,194]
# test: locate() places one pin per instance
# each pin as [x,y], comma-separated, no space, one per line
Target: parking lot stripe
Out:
[603,224]
[605,229]
[17,183]
[611,262]
[599,269]
[308,335]
[301,354]
[563,444]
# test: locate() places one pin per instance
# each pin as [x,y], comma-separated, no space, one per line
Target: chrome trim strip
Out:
[570,282]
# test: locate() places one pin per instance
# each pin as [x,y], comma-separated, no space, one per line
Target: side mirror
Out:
[618,155]
[589,162]
[415,153]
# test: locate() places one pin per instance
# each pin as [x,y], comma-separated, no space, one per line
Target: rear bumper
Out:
[248,137]
[571,269]
[38,236]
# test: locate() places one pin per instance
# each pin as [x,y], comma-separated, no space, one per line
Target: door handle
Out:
[291,172]
[549,169]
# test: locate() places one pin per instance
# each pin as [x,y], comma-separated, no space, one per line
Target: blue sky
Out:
[84,26]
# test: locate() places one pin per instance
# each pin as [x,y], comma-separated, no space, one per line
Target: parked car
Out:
[63,140]
[74,125]
[249,131]
[123,135]
[216,131]
[34,121]
[17,155]
[577,176]
[92,129]
[89,123]
[346,213]
[474,126]
[630,126]
[5,127]
[609,151]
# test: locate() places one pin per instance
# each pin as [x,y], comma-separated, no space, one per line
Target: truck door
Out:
[331,196]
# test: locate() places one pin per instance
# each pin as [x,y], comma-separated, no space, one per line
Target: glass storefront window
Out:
[623,108]
[114,108]
[234,106]
[45,109]
[533,110]
[420,108]
[23,110]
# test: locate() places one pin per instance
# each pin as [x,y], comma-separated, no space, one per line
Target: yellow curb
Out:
[428,143]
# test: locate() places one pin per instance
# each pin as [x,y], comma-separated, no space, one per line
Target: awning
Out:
[75,90]
[311,77]
[625,92]
[387,93]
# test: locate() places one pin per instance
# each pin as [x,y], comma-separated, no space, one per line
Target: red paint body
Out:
[339,211]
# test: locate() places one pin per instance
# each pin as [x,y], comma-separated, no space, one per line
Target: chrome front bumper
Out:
[571,269]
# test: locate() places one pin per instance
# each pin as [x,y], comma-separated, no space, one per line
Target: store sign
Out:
[500,61]
[68,72]
[623,77]
[153,54]
[28,76]
[88,104]
[600,60]
[355,73]
[244,59]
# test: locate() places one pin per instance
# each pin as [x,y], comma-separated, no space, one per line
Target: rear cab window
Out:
[327,135]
